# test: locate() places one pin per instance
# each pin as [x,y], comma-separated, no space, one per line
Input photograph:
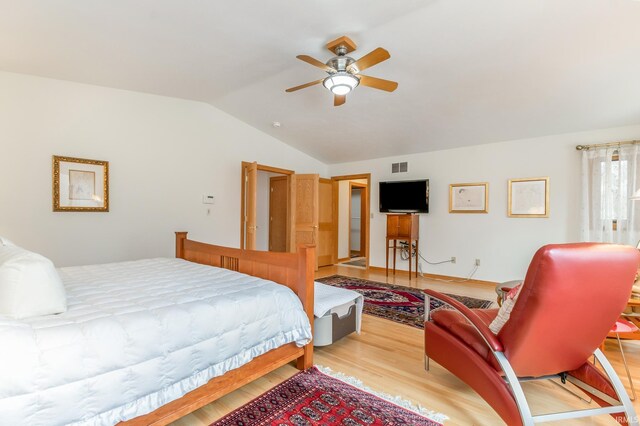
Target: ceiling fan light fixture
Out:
[343,72]
[341,82]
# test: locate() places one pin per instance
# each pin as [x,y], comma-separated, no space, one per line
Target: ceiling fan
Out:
[344,71]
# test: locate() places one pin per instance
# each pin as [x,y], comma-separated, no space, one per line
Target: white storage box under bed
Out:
[337,311]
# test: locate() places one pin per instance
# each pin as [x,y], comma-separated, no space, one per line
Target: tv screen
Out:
[408,196]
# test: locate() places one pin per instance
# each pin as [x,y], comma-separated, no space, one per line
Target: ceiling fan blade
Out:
[316,63]
[339,100]
[378,83]
[302,86]
[369,60]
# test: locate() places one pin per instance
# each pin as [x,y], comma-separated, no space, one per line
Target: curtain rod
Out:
[599,145]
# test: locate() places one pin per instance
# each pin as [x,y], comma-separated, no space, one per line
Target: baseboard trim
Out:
[434,276]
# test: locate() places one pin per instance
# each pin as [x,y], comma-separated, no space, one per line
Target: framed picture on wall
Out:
[469,197]
[80,185]
[529,197]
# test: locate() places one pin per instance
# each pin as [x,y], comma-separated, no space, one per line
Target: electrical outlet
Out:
[477,262]
[453,259]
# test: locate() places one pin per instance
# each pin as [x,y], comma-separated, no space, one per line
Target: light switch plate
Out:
[208,199]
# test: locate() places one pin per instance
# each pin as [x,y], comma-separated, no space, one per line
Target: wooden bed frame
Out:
[295,270]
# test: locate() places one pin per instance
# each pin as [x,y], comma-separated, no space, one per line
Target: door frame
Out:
[243,177]
[363,191]
[367,227]
[296,226]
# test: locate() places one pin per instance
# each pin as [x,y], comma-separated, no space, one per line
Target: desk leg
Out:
[417,255]
[387,258]
[394,257]
[410,258]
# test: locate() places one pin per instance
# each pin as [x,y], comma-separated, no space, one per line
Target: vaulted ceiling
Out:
[469,71]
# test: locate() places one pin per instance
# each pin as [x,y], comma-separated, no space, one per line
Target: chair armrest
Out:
[488,336]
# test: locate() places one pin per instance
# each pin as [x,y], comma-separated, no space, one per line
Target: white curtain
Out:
[609,179]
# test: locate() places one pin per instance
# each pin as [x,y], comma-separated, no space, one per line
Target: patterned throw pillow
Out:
[505,310]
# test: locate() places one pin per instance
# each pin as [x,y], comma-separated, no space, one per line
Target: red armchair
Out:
[571,296]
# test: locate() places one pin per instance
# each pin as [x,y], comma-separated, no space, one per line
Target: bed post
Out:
[180,238]
[306,273]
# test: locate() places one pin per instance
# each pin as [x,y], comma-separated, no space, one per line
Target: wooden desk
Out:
[403,227]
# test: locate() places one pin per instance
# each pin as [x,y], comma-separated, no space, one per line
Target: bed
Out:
[147,342]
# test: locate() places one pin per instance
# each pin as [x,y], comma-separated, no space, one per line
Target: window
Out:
[610,177]
[615,187]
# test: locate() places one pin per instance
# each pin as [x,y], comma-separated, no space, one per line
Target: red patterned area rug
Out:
[395,302]
[313,398]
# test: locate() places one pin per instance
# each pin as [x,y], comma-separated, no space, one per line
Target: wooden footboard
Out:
[295,270]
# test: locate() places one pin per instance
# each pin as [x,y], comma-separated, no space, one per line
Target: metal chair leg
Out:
[427,317]
[566,389]
[626,367]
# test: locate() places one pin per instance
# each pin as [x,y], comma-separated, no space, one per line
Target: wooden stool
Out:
[623,327]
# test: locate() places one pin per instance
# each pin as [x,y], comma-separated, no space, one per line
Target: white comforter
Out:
[136,336]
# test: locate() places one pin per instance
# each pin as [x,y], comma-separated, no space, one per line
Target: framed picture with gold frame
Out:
[80,185]
[528,197]
[469,197]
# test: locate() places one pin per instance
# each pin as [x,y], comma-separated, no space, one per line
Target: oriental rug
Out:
[397,303]
[314,397]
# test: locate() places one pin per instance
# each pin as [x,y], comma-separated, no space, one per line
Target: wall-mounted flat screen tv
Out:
[407,196]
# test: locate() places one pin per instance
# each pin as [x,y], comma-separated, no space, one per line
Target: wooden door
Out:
[278,213]
[304,202]
[404,225]
[251,200]
[326,223]
[393,225]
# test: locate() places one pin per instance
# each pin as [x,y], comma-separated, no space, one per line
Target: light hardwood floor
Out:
[388,357]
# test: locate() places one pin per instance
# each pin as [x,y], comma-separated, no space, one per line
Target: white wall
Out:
[504,245]
[164,154]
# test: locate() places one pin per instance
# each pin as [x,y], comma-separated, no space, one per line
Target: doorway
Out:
[356,219]
[265,215]
[279,208]
[352,197]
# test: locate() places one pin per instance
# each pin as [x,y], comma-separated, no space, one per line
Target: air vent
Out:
[400,167]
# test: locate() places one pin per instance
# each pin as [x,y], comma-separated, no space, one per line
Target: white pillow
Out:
[505,310]
[5,242]
[29,284]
